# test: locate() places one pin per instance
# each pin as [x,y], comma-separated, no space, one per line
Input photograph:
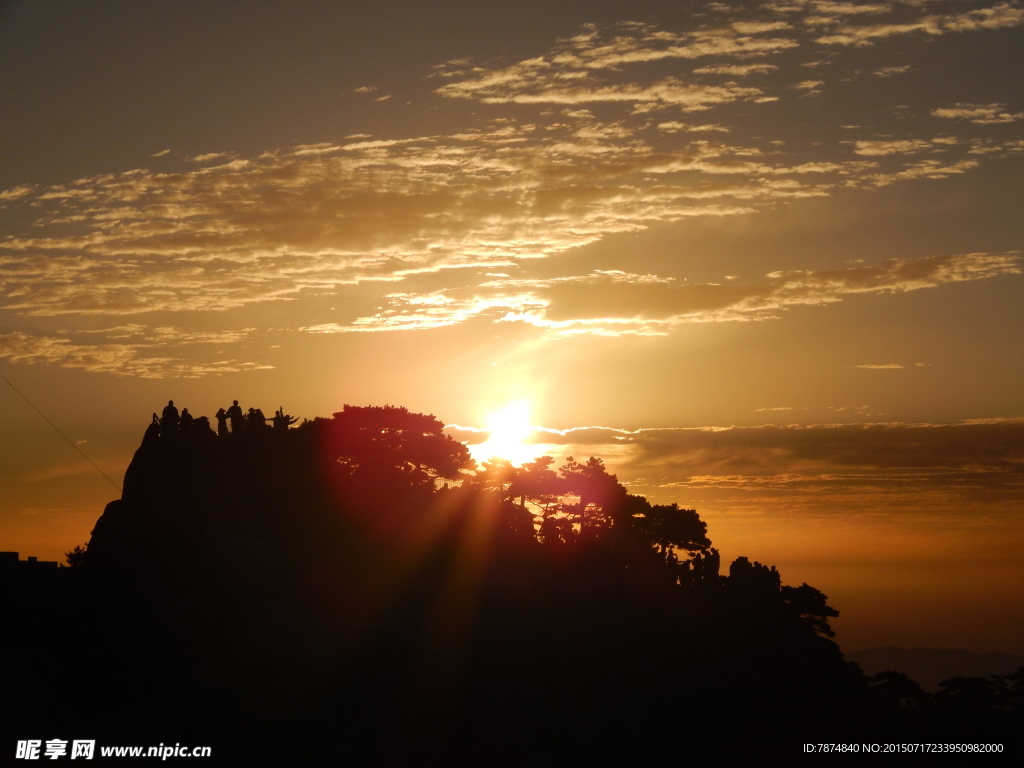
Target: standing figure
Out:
[186,420]
[169,420]
[236,416]
[222,422]
[282,421]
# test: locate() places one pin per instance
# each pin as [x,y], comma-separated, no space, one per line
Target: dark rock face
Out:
[315,580]
[188,508]
[292,572]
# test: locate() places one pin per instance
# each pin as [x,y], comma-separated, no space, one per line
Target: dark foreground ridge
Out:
[349,590]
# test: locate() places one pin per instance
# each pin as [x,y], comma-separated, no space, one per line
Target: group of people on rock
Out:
[253,419]
[701,569]
[171,422]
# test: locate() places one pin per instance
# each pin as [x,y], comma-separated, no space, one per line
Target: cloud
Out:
[979,114]
[891,71]
[14,193]
[674,126]
[587,68]
[669,90]
[121,359]
[998,16]
[736,70]
[166,334]
[586,139]
[758,27]
[867,35]
[210,157]
[926,169]
[949,470]
[849,33]
[893,147]
[963,458]
[826,8]
[618,303]
[880,367]
[304,220]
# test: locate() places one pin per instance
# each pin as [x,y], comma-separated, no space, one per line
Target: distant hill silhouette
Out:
[351,589]
[930,666]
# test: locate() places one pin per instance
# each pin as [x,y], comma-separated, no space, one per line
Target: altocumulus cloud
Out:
[588,138]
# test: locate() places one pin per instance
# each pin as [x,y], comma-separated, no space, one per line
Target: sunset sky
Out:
[764,258]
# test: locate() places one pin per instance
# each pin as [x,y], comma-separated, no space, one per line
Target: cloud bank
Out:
[968,471]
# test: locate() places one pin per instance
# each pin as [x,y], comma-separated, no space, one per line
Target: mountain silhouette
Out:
[351,587]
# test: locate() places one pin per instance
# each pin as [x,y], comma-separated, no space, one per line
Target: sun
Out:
[509,429]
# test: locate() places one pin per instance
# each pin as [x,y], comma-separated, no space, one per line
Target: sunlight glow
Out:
[510,429]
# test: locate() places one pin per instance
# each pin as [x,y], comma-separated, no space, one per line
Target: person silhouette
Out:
[282,420]
[222,422]
[258,419]
[201,428]
[236,416]
[186,420]
[254,419]
[169,420]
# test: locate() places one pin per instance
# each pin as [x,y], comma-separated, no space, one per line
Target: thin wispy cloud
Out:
[123,359]
[618,303]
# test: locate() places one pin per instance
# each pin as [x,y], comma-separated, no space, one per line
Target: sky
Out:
[764,258]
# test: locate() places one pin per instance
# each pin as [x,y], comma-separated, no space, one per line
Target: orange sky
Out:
[764,258]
